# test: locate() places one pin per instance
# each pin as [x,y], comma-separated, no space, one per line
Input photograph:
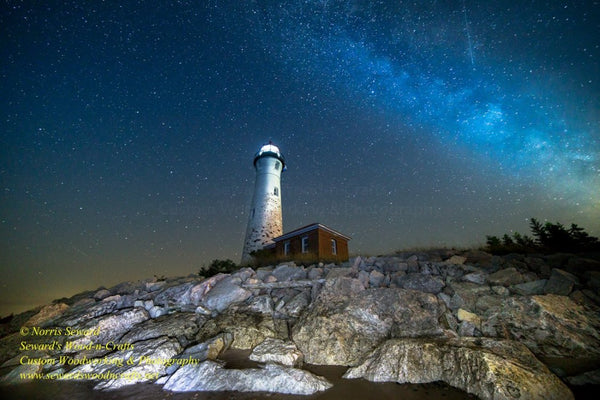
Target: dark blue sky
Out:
[128,128]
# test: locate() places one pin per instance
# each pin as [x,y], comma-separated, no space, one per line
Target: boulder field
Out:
[496,327]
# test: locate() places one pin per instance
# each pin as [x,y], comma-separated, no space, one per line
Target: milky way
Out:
[412,59]
[128,128]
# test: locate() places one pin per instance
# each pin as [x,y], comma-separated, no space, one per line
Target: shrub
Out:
[218,267]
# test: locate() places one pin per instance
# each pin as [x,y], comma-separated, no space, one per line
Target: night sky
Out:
[128,128]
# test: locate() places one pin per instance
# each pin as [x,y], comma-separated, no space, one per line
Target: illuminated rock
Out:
[489,369]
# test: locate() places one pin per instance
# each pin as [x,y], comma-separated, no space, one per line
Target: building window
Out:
[276,191]
[277,165]
[333,247]
[305,244]
[286,247]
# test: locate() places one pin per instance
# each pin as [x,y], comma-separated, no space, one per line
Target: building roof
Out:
[309,228]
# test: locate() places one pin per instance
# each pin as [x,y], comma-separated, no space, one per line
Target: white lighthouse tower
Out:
[265,222]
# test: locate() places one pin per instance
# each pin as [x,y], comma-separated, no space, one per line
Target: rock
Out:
[464,315]
[244,274]
[449,321]
[579,266]
[109,328]
[560,282]
[467,329]
[550,325]
[376,278]
[263,273]
[592,296]
[248,329]
[466,294]
[296,305]
[537,265]
[151,360]
[423,283]
[401,266]
[529,288]
[261,304]
[155,285]
[363,277]
[475,277]
[487,368]
[225,293]
[477,257]
[587,378]
[101,294]
[487,302]
[505,277]
[156,311]
[181,326]
[500,290]
[122,301]
[413,264]
[456,260]
[357,263]
[14,377]
[339,272]
[174,296]
[148,304]
[47,314]
[277,351]
[393,278]
[343,325]
[470,323]
[198,291]
[285,272]
[211,376]
[315,273]
[124,288]
[70,317]
[447,300]
[208,350]
[558,260]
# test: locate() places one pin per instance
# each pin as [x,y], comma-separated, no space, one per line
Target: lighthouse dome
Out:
[269,150]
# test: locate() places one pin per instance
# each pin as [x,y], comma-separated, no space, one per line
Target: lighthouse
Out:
[265,222]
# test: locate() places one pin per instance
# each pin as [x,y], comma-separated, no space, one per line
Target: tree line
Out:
[545,238]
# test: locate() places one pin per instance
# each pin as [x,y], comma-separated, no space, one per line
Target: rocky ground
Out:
[517,326]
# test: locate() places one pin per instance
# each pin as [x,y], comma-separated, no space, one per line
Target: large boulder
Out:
[549,325]
[104,329]
[182,326]
[198,291]
[225,293]
[248,329]
[560,282]
[488,368]
[211,376]
[277,351]
[506,277]
[346,321]
[529,288]
[149,361]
